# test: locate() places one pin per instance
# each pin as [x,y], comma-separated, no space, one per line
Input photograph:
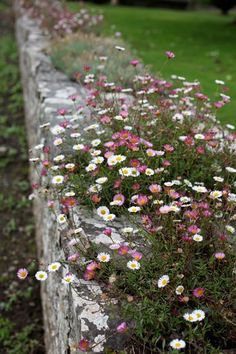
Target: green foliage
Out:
[203,42]
[74,53]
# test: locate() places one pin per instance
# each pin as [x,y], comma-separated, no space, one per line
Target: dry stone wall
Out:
[69,314]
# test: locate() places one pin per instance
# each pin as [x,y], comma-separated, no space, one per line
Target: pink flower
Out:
[122,327]
[73,258]
[193,229]
[22,273]
[119,199]
[134,62]
[137,255]
[170,55]
[92,266]
[123,250]
[169,148]
[83,345]
[107,231]
[219,255]
[142,200]
[155,188]
[198,292]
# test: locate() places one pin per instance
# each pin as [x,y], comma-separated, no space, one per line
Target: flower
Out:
[59,158]
[57,179]
[179,290]
[109,217]
[53,267]
[219,255]
[230,169]
[169,54]
[101,180]
[103,257]
[78,147]
[83,345]
[134,265]
[68,278]
[91,167]
[198,292]
[22,273]
[118,199]
[190,317]
[200,315]
[197,238]
[61,218]
[177,344]
[216,194]
[149,172]
[41,275]
[230,229]
[103,211]
[134,209]
[122,327]
[199,189]
[163,281]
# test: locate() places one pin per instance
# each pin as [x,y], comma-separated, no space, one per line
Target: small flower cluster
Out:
[57,20]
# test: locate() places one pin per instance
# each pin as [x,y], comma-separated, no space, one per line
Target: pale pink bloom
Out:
[122,327]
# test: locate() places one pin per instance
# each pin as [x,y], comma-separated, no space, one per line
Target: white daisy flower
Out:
[218,179]
[95,188]
[75,135]
[103,211]
[197,238]
[109,217]
[230,169]
[179,290]
[190,317]
[134,265]
[91,167]
[178,344]
[78,147]
[53,267]
[149,172]
[101,180]
[57,141]
[134,209]
[70,194]
[125,171]
[59,158]
[216,194]
[57,179]
[127,230]
[134,172]
[163,281]
[199,136]
[103,257]
[68,278]
[70,166]
[57,129]
[98,160]
[199,314]
[199,189]
[230,229]
[96,142]
[41,275]
[61,218]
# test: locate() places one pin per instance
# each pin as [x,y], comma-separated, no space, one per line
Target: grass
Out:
[20,309]
[204,44]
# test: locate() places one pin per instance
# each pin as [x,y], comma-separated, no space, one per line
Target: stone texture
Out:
[69,314]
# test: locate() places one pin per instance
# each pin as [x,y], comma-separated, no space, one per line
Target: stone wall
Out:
[69,314]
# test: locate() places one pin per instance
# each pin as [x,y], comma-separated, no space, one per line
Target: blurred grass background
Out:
[204,43]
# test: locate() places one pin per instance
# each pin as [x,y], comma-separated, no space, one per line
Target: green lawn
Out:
[204,44]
